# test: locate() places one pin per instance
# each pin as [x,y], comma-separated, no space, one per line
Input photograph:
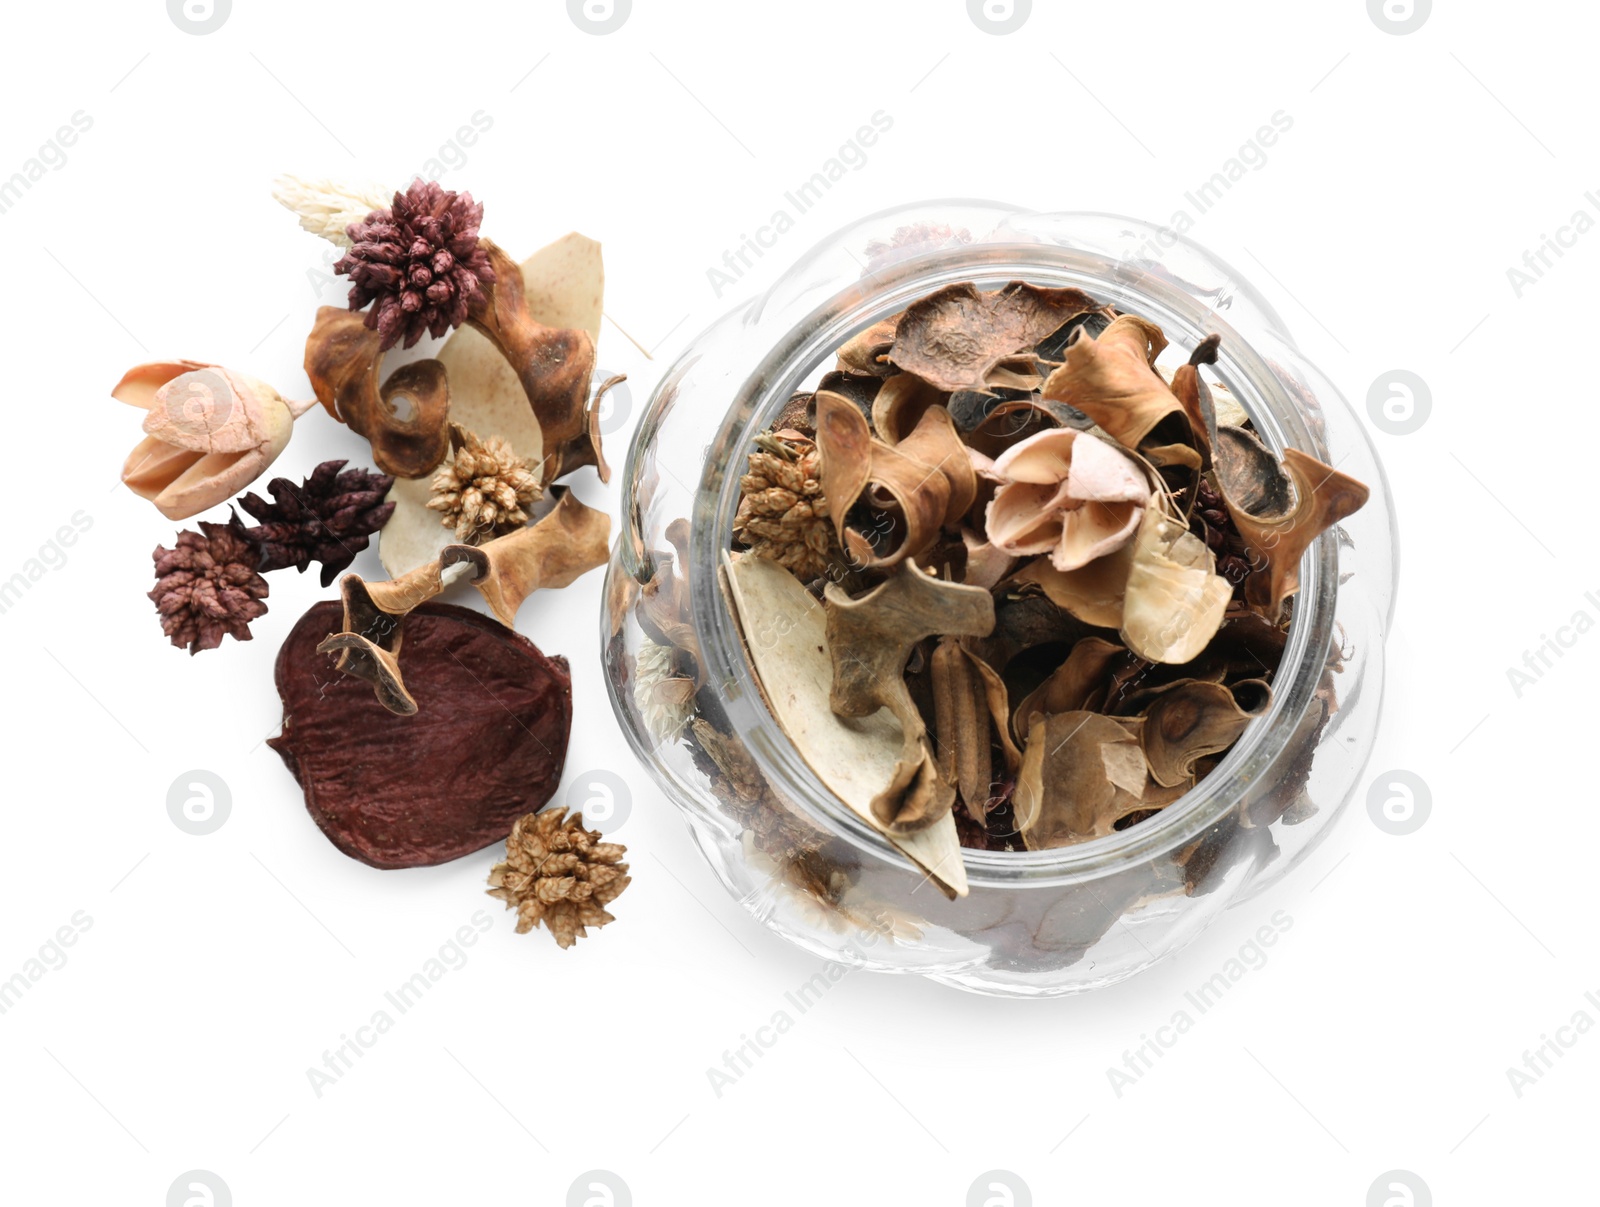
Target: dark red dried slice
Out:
[486,745]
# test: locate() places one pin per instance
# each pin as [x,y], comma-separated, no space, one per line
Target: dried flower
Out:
[1066,493]
[209,433]
[207,587]
[560,874]
[418,262]
[328,209]
[327,518]
[484,491]
[783,515]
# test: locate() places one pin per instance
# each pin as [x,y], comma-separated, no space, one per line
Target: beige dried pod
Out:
[209,433]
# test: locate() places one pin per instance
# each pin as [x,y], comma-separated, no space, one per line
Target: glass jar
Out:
[1034,923]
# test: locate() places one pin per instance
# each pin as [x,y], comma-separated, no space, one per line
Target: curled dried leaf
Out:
[1193,718]
[1080,683]
[1112,379]
[852,459]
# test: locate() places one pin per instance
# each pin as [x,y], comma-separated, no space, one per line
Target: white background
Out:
[217,969]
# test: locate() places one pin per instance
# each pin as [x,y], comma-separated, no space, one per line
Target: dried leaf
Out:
[869,640]
[1193,718]
[1112,380]
[1279,510]
[1080,683]
[1093,593]
[784,631]
[1081,773]
[1278,536]
[954,337]
[406,420]
[1174,600]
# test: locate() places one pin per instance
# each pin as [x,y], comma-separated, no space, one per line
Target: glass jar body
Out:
[1033,923]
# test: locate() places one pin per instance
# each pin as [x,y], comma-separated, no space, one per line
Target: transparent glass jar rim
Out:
[795,352]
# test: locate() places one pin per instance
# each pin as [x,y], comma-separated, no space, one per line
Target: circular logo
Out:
[199,401]
[999,16]
[1399,1188]
[199,16]
[599,1188]
[616,404]
[602,797]
[599,16]
[999,1188]
[1399,402]
[199,802]
[199,1188]
[1399,802]
[1399,16]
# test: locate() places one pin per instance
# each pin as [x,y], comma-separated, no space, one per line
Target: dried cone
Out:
[485,490]
[560,874]
[783,515]
[327,518]
[207,587]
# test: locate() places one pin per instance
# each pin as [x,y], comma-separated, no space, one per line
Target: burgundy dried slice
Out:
[487,745]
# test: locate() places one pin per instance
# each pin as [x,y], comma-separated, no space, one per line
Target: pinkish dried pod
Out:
[209,433]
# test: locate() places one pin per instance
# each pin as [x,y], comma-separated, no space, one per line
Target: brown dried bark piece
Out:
[954,338]
[971,714]
[486,746]
[567,543]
